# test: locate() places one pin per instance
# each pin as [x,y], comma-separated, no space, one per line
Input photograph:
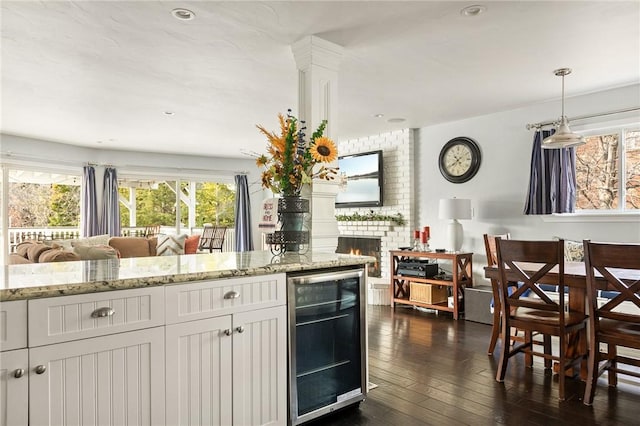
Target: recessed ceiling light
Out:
[378,115]
[169,113]
[397,120]
[473,10]
[183,14]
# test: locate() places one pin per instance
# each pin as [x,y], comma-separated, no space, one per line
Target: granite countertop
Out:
[87,276]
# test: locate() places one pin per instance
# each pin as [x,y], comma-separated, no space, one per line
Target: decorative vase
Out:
[291,237]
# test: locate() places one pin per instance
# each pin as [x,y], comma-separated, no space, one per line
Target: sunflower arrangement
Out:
[291,161]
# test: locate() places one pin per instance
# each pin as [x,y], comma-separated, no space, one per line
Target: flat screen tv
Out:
[364,180]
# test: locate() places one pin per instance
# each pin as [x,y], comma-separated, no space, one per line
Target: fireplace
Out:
[365,246]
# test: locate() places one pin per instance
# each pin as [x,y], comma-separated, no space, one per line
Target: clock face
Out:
[459,159]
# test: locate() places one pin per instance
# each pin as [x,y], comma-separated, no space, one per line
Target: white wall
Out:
[499,189]
[71,156]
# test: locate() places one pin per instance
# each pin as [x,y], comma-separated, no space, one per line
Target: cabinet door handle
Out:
[231,295]
[19,372]
[40,369]
[102,312]
[240,329]
[227,332]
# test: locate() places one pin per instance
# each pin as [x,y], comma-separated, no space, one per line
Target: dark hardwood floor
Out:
[432,370]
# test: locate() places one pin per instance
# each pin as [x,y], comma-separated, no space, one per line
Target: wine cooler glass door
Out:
[327,342]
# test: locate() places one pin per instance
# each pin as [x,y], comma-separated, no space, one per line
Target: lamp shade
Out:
[563,137]
[455,208]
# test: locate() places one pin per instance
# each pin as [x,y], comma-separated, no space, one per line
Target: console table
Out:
[461,277]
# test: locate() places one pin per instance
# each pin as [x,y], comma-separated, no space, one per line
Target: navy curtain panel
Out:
[552,183]
[110,220]
[244,238]
[89,204]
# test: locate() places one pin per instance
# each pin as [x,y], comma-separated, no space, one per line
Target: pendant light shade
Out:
[563,137]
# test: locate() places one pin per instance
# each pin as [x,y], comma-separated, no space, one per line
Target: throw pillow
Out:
[35,250]
[191,244]
[23,248]
[96,240]
[57,255]
[95,252]
[169,245]
[573,250]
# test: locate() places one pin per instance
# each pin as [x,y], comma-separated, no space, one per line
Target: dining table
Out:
[575,278]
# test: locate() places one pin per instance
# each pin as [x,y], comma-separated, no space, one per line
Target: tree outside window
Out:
[608,171]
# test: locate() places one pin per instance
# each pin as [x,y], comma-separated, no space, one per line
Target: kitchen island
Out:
[192,339]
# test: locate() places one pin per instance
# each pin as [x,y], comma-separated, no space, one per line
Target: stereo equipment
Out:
[417,268]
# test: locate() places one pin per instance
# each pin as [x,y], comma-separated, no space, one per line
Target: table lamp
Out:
[454,209]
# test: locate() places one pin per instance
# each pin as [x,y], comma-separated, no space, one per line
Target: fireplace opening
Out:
[363,246]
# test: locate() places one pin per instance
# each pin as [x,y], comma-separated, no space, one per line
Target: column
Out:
[318,61]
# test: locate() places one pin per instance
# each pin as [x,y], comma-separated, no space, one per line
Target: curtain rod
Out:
[582,117]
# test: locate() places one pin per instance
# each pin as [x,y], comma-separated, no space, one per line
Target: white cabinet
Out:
[14,358]
[116,379]
[14,387]
[97,358]
[260,367]
[230,368]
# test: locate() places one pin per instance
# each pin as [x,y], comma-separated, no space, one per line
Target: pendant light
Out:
[563,137]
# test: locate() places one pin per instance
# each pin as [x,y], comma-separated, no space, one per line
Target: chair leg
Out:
[613,364]
[504,353]
[562,367]
[546,342]
[495,331]
[528,355]
[592,375]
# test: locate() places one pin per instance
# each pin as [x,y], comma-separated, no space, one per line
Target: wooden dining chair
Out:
[212,238]
[616,322]
[539,313]
[492,260]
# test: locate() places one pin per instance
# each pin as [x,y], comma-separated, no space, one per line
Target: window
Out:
[151,201]
[42,204]
[608,170]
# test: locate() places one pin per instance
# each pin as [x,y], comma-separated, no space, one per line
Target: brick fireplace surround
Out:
[398,166]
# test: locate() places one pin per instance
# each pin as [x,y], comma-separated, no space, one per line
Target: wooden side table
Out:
[461,277]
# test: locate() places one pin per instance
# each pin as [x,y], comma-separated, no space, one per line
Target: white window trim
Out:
[594,216]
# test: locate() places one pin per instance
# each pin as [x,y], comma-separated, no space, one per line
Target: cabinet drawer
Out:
[206,299]
[60,319]
[13,325]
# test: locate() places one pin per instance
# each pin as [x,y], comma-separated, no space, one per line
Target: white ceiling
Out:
[102,73]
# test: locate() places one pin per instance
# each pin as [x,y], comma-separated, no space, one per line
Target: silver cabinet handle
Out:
[240,329]
[102,312]
[40,369]
[227,332]
[231,295]
[19,372]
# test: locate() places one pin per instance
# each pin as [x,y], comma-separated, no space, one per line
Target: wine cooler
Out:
[327,342]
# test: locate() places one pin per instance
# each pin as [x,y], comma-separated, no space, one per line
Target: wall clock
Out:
[460,159]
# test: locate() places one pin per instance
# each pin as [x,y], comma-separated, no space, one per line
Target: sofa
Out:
[103,247]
